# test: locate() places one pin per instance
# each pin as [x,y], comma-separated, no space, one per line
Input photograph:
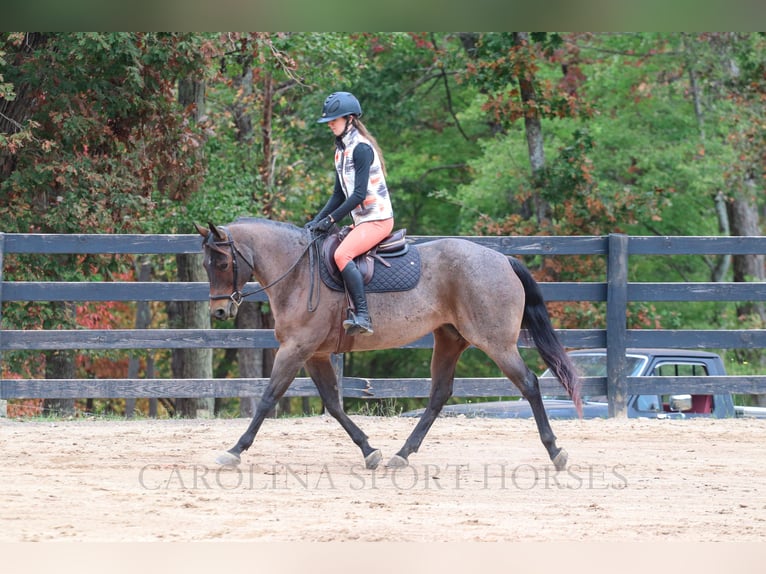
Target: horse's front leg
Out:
[287,362]
[326,380]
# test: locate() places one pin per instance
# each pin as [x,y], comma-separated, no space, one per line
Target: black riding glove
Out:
[323,225]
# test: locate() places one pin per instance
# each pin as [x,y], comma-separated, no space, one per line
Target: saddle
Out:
[395,245]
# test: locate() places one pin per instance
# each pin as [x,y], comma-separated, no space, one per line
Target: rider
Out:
[360,190]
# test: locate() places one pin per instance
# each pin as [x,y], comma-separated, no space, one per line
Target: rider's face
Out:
[338,125]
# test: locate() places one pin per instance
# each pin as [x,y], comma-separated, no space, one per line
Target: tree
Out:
[516,73]
[741,59]
[742,75]
[91,134]
[191,363]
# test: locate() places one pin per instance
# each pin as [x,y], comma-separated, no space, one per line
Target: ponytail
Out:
[366,134]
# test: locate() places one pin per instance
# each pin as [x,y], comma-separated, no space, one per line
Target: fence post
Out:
[616,327]
[3,402]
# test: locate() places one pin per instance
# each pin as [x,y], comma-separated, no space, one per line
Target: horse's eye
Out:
[222,266]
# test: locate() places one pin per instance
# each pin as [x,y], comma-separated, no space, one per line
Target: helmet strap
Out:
[349,123]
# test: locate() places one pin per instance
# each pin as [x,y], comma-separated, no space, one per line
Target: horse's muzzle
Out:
[223,311]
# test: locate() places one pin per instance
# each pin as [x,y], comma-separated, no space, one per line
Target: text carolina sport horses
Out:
[467,295]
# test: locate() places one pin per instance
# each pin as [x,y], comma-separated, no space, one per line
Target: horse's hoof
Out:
[397,462]
[560,460]
[372,460]
[228,459]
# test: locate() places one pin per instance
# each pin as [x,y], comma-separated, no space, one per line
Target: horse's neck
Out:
[273,249]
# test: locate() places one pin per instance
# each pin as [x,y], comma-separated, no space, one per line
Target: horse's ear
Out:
[217,231]
[201,230]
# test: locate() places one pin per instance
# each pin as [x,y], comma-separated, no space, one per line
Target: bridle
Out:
[237,296]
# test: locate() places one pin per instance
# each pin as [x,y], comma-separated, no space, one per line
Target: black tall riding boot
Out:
[359,323]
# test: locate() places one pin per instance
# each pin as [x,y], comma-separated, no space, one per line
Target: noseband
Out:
[237,296]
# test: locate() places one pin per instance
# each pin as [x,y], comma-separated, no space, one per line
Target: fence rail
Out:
[615,290]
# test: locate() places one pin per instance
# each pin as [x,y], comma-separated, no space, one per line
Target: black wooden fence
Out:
[615,290]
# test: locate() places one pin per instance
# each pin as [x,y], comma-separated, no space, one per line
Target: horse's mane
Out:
[268,223]
[261,220]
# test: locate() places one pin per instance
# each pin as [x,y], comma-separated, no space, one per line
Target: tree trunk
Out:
[724,261]
[743,218]
[691,59]
[143,319]
[266,168]
[536,206]
[240,108]
[191,92]
[250,361]
[16,111]
[59,364]
[191,363]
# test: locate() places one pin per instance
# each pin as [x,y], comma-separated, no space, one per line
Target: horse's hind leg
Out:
[514,368]
[324,377]
[448,346]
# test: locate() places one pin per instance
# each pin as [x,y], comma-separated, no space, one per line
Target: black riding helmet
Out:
[339,104]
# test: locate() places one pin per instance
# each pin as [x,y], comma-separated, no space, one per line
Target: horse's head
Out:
[228,270]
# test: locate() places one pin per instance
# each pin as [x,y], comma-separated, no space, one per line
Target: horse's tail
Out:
[537,321]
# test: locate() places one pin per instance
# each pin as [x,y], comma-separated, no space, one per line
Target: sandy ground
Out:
[303,480]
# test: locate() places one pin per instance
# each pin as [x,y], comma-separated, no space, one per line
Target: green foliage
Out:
[641,132]
[95,132]
[106,130]
[278,169]
[414,105]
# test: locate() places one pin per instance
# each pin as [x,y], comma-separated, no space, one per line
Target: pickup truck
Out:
[640,363]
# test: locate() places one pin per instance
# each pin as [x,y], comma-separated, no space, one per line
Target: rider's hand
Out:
[324,224]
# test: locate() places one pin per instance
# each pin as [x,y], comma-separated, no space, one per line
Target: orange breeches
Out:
[361,239]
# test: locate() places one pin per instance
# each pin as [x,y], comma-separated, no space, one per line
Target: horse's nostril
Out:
[219,314]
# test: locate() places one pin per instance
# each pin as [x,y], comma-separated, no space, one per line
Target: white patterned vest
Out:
[377,204]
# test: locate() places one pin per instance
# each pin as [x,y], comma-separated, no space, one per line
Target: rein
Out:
[237,296]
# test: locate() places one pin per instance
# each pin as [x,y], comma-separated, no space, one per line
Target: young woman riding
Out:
[361,191]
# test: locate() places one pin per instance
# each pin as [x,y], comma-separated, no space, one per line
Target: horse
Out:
[467,294]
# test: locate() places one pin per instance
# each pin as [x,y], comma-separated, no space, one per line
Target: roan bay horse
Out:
[467,295]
